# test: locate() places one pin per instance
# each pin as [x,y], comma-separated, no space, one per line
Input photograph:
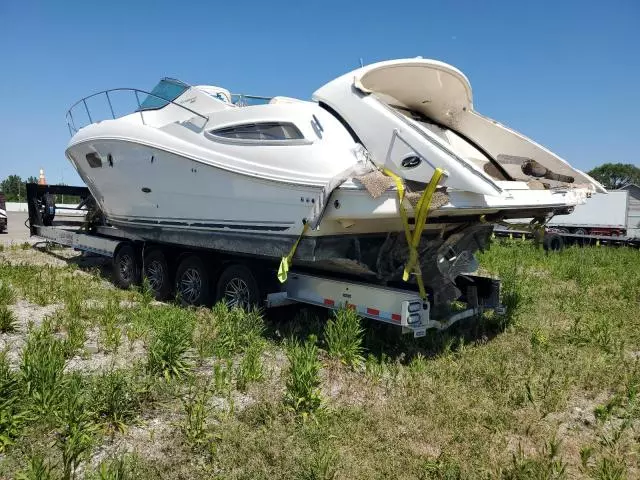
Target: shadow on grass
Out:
[385,341]
[86,261]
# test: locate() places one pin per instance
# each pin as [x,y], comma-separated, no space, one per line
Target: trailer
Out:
[602,215]
[555,240]
[199,276]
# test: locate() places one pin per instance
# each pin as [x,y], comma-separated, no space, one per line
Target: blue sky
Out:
[565,73]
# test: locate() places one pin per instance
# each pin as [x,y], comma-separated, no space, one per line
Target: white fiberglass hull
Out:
[149,188]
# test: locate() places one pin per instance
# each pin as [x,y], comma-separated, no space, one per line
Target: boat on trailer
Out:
[198,166]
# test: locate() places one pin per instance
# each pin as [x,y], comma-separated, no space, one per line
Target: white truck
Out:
[601,215]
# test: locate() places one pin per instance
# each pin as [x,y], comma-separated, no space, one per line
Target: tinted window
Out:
[168,89]
[261,131]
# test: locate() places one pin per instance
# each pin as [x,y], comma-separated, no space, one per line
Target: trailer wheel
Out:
[553,242]
[580,231]
[192,281]
[48,209]
[238,287]
[156,271]
[126,271]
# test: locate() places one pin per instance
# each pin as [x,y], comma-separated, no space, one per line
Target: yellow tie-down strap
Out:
[285,263]
[421,214]
[413,238]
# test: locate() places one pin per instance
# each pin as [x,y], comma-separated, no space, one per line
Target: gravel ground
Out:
[16,231]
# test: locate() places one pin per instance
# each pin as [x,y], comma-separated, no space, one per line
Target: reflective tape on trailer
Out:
[365,311]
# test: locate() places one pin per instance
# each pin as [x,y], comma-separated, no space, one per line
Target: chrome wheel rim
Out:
[236,293]
[125,267]
[155,275]
[190,285]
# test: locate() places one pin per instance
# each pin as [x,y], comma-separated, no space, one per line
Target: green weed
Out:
[442,468]
[609,468]
[196,409]
[168,353]
[250,368]
[321,465]
[8,320]
[110,332]
[7,294]
[236,329]
[76,330]
[38,468]
[76,432]
[303,379]
[115,398]
[12,411]
[343,336]
[222,375]
[547,466]
[42,368]
[118,468]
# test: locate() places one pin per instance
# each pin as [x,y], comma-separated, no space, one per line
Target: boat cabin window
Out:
[164,92]
[270,131]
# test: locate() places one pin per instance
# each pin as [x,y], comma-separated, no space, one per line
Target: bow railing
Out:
[71,122]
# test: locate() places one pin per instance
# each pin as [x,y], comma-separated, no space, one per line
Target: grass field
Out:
[100,383]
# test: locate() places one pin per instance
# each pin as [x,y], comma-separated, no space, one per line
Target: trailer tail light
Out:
[413,312]
[414,307]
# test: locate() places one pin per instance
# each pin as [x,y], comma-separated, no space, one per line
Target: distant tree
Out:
[32,179]
[13,188]
[616,175]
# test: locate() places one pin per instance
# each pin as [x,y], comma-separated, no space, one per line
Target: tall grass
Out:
[38,468]
[42,368]
[7,294]
[118,468]
[168,352]
[196,412]
[12,409]
[76,431]
[250,368]
[237,329]
[8,320]
[303,378]
[115,398]
[343,336]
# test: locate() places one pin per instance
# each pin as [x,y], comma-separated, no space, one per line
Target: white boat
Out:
[195,165]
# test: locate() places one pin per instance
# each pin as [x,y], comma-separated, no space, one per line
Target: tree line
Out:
[15,190]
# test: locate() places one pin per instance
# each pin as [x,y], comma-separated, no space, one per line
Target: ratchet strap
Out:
[421,214]
[285,263]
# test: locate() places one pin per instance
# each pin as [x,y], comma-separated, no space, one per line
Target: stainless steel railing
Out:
[83,102]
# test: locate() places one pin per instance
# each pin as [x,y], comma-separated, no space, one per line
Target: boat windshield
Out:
[167,90]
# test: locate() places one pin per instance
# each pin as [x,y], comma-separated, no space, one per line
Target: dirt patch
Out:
[95,359]
[26,314]
[154,439]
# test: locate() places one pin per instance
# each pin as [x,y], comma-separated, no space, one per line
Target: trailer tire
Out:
[126,268]
[192,281]
[553,242]
[237,286]
[156,271]
[48,209]
[580,231]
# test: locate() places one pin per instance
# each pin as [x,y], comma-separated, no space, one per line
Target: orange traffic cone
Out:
[41,179]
